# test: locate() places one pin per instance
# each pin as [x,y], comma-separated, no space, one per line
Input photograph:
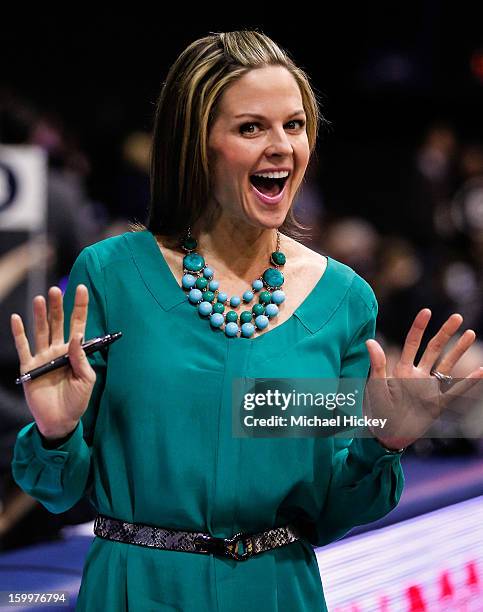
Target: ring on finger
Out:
[446,378]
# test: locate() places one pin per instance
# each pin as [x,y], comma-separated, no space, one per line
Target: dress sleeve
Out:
[58,477]
[366,481]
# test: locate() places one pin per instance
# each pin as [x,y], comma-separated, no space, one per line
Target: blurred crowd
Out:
[432,258]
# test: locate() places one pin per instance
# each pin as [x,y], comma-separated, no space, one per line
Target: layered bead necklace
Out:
[204,293]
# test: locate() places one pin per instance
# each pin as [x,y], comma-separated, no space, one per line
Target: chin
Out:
[270,221]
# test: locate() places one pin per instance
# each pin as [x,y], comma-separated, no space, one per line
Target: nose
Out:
[279,144]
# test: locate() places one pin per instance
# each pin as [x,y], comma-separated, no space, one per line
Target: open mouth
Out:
[268,186]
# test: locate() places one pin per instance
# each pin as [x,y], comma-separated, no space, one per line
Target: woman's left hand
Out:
[409,404]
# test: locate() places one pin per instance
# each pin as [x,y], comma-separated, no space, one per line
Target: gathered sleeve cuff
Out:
[55,477]
[58,477]
[366,480]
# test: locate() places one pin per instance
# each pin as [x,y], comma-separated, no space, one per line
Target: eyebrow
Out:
[297,112]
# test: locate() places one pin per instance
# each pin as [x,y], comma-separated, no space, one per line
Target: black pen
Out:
[91,346]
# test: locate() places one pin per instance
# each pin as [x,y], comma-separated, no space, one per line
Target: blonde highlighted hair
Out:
[184,113]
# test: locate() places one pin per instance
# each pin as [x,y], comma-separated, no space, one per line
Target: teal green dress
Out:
[155,445]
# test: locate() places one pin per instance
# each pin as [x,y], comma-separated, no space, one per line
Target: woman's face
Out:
[259,128]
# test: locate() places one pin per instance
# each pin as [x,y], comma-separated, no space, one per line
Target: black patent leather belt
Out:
[195,541]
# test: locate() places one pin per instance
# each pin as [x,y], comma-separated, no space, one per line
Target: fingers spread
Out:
[414,336]
[21,342]
[41,325]
[78,318]
[457,351]
[378,359]
[56,316]
[439,341]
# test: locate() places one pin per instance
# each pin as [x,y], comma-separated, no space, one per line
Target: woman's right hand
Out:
[57,400]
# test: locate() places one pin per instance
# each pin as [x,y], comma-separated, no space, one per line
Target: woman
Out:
[146,427]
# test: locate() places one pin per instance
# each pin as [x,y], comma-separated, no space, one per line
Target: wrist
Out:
[390,445]
[393,449]
[52,439]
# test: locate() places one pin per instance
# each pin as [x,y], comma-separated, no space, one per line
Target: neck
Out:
[239,250]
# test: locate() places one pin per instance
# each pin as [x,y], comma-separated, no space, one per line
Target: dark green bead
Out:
[278,258]
[246,316]
[258,309]
[208,296]
[193,262]
[190,243]
[272,277]
[218,307]
[201,283]
[265,297]
[231,316]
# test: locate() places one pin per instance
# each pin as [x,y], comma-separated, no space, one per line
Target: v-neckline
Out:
[312,312]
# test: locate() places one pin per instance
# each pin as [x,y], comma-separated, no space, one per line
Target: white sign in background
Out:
[23,221]
[430,563]
[23,188]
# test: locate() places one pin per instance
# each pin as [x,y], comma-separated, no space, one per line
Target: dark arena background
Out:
[395,191]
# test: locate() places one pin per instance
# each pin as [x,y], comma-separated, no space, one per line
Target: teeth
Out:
[273,175]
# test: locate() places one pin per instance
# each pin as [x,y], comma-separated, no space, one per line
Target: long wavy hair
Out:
[185,110]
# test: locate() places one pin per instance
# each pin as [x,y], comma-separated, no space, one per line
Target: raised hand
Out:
[412,398]
[57,400]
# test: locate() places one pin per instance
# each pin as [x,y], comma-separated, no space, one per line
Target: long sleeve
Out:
[59,477]
[366,482]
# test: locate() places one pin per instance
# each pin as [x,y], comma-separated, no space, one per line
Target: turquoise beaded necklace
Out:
[203,292]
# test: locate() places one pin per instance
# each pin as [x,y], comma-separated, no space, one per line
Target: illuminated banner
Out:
[427,564]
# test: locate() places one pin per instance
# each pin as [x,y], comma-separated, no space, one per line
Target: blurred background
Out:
[395,189]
